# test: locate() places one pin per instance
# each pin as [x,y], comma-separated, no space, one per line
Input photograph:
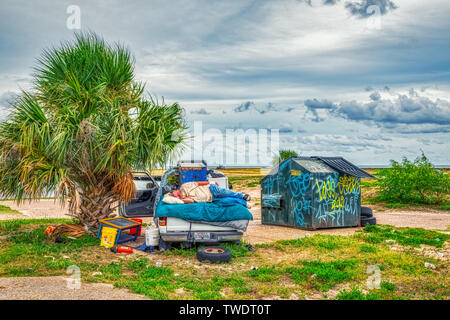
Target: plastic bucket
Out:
[108,238]
[133,231]
[151,237]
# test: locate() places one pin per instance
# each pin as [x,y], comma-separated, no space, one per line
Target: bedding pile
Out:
[202,202]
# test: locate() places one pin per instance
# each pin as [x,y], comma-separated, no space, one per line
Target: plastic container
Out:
[108,238]
[133,231]
[192,171]
[151,237]
[221,182]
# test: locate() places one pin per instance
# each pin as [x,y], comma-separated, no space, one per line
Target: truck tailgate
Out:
[179,225]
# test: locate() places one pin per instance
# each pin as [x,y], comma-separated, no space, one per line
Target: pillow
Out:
[171,199]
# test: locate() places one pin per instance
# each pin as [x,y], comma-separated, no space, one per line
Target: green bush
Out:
[413,182]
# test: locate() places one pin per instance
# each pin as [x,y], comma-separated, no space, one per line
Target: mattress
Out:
[206,211]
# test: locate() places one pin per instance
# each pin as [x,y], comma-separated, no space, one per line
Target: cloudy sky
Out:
[365,79]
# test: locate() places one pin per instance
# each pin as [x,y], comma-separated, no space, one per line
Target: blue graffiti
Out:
[284,163]
[298,183]
[301,206]
[271,201]
[270,184]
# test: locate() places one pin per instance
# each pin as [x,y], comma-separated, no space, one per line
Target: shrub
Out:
[413,182]
[283,155]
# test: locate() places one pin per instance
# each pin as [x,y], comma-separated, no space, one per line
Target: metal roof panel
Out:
[342,165]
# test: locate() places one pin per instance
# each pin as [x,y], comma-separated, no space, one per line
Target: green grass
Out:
[324,275]
[364,248]
[405,236]
[307,266]
[7,210]
[237,251]
[38,254]
[264,274]
[253,179]
[387,291]
[357,294]
[112,271]
[319,241]
[8,226]
[253,184]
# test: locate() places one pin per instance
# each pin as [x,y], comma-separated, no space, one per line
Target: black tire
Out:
[366,212]
[214,254]
[365,221]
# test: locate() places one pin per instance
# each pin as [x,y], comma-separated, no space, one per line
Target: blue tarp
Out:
[203,211]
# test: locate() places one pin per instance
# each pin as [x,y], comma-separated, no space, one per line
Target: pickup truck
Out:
[173,230]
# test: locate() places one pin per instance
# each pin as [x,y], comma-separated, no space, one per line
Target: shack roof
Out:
[344,166]
[324,164]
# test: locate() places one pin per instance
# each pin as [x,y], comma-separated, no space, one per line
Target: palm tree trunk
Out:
[93,207]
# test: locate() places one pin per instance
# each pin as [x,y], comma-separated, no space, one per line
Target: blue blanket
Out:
[203,211]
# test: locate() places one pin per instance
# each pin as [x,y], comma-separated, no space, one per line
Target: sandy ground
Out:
[256,232]
[259,233]
[55,288]
[42,209]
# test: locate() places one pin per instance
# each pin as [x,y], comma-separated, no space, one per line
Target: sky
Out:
[368,80]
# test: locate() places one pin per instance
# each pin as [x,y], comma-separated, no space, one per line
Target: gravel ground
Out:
[55,288]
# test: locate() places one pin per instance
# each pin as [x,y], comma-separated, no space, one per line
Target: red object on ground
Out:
[49,229]
[133,231]
[202,183]
[122,249]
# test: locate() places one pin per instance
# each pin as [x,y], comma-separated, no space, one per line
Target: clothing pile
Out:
[203,191]
[202,201]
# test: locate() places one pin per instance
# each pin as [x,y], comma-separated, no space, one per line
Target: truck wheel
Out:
[366,212]
[365,221]
[163,245]
[214,254]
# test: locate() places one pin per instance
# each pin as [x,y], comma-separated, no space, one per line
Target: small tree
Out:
[283,155]
[415,182]
[83,128]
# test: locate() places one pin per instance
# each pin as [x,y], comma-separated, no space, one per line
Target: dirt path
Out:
[416,219]
[259,233]
[55,288]
[42,209]
[256,232]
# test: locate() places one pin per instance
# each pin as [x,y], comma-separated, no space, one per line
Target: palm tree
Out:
[83,128]
[283,155]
